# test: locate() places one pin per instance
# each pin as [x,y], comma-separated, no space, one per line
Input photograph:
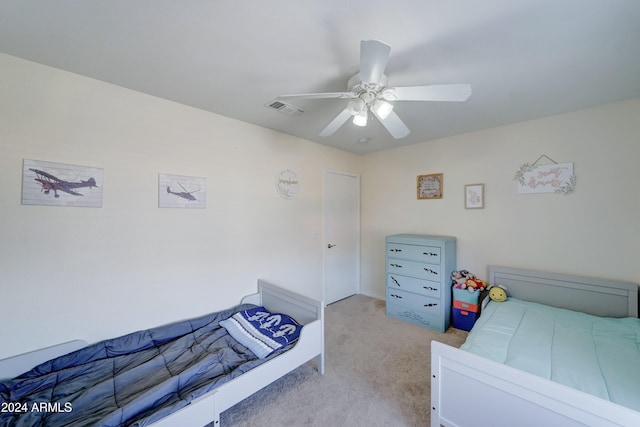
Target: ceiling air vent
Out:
[285,107]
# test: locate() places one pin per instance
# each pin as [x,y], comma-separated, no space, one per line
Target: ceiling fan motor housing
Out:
[365,94]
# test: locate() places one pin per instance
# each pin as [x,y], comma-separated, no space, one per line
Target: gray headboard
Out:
[602,297]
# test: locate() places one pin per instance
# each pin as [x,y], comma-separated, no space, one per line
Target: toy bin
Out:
[463,319]
[475,308]
[466,296]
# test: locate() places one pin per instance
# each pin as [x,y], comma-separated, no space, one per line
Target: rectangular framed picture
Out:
[178,191]
[60,184]
[554,178]
[430,186]
[474,196]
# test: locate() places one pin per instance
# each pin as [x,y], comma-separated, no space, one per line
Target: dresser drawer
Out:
[412,284]
[418,317]
[430,254]
[420,303]
[414,269]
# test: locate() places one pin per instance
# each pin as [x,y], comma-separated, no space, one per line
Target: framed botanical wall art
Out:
[474,196]
[430,186]
[59,184]
[178,191]
[546,178]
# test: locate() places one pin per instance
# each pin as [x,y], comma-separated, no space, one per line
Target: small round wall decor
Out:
[287,184]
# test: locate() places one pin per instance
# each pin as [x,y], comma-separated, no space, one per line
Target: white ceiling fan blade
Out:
[373,60]
[453,92]
[336,123]
[343,95]
[394,125]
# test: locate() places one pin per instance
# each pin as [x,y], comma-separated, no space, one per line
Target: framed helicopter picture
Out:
[58,184]
[178,191]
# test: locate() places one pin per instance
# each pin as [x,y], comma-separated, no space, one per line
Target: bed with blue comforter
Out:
[139,378]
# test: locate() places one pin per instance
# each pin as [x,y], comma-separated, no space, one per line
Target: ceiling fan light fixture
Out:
[356,106]
[360,119]
[389,94]
[382,109]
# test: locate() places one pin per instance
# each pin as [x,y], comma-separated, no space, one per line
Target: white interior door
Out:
[341,235]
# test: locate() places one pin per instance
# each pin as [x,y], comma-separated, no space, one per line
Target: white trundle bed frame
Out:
[207,409]
[469,390]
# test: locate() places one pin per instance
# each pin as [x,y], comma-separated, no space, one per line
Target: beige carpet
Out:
[376,374]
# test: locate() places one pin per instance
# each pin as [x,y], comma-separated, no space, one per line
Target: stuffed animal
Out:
[459,280]
[464,280]
[476,284]
[498,293]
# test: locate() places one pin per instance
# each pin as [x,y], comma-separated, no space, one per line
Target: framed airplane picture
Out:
[58,184]
[177,191]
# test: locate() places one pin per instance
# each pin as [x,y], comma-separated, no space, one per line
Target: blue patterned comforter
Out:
[132,380]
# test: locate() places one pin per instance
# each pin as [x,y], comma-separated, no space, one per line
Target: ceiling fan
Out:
[368,91]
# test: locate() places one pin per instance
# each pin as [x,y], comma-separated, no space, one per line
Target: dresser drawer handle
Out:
[395,250]
[429,288]
[428,270]
[395,296]
[395,281]
[429,253]
[431,305]
[396,265]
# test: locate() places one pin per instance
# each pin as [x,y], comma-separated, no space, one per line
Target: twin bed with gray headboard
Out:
[469,390]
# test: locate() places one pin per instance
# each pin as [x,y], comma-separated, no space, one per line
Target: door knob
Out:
[330,246]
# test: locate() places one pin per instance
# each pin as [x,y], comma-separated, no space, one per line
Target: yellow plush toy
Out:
[498,294]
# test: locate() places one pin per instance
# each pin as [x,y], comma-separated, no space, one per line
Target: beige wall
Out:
[100,272]
[595,231]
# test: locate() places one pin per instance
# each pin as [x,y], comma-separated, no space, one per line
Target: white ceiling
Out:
[524,59]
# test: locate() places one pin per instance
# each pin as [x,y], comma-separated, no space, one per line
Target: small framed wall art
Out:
[474,196]
[59,184]
[178,191]
[430,186]
[287,184]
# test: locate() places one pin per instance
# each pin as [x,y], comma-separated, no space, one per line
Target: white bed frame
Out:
[207,408]
[469,390]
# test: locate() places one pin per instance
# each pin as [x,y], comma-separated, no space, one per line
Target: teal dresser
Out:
[419,271]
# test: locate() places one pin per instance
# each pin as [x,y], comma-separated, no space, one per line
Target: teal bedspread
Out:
[597,355]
